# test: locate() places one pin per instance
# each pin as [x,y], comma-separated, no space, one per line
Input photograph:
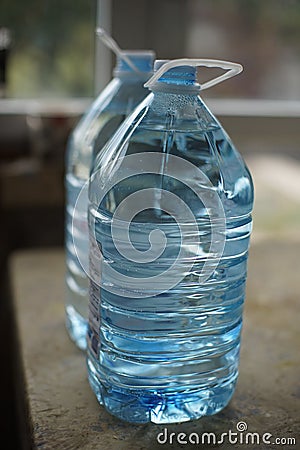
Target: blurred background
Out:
[51,67]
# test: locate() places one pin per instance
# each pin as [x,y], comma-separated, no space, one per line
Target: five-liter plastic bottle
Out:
[170,203]
[110,108]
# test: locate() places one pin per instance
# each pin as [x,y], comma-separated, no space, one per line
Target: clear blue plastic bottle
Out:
[98,124]
[170,203]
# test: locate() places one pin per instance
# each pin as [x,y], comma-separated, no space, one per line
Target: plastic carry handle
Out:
[112,45]
[231,68]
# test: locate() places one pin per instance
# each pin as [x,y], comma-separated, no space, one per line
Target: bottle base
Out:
[160,407]
[76,326]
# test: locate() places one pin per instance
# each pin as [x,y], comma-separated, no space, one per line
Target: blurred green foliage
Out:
[52,50]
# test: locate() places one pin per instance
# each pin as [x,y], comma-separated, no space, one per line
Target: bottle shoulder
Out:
[97,106]
[194,135]
[101,121]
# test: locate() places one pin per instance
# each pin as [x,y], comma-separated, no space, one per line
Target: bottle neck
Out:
[132,78]
[140,69]
[185,107]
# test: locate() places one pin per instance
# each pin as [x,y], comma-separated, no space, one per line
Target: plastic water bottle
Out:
[115,102]
[170,206]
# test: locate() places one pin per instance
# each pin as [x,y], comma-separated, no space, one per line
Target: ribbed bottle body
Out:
[169,355]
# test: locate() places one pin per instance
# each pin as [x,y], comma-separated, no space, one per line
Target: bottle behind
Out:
[163,345]
[98,124]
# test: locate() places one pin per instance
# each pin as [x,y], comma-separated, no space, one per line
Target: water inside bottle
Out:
[173,357]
